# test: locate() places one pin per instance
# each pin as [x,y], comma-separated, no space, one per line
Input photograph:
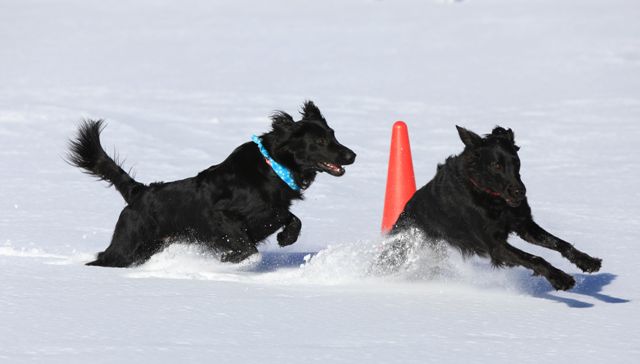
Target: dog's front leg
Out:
[534,234]
[241,250]
[234,236]
[291,231]
[503,253]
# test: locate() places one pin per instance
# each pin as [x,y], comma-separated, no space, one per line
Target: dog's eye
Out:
[321,141]
[497,166]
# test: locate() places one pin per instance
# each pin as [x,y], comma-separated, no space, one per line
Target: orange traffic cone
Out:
[401,183]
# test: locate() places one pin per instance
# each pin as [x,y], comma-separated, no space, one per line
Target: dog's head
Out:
[492,164]
[307,146]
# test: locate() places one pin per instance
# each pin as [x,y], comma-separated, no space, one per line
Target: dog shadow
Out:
[590,285]
[273,261]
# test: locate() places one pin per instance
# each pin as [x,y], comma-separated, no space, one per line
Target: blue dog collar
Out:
[283,172]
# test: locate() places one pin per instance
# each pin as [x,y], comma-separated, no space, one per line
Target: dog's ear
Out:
[503,133]
[281,121]
[506,134]
[511,136]
[469,138]
[311,112]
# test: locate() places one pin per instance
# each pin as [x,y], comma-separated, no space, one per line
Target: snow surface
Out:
[182,83]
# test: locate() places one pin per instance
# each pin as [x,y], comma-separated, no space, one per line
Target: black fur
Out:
[229,207]
[474,202]
[87,153]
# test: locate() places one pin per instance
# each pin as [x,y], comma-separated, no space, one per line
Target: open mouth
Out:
[512,202]
[331,168]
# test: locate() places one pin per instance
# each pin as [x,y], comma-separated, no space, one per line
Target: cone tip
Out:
[399,125]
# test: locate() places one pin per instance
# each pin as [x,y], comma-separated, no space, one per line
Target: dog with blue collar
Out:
[229,207]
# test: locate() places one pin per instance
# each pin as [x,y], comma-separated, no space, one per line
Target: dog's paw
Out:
[285,239]
[583,261]
[589,264]
[561,281]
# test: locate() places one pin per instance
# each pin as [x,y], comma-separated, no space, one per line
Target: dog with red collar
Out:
[474,202]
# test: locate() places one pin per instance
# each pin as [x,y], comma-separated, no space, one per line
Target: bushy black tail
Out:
[86,152]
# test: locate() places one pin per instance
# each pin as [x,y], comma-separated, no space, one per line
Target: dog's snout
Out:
[517,192]
[347,156]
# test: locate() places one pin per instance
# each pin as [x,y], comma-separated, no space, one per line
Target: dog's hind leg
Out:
[534,234]
[397,250]
[403,239]
[238,255]
[240,246]
[393,255]
[505,254]
[133,241]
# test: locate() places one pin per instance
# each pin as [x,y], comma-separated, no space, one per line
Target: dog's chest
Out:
[499,222]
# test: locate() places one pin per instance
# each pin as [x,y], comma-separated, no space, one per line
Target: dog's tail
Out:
[86,152]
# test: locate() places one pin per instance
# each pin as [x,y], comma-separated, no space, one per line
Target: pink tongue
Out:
[333,168]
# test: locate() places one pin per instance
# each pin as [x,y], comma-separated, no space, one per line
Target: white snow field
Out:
[181,84]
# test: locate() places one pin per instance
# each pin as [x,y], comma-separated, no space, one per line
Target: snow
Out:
[182,84]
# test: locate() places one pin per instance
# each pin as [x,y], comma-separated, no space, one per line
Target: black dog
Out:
[229,207]
[474,202]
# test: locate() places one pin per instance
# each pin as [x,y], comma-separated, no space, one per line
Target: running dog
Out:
[230,207]
[474,202]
